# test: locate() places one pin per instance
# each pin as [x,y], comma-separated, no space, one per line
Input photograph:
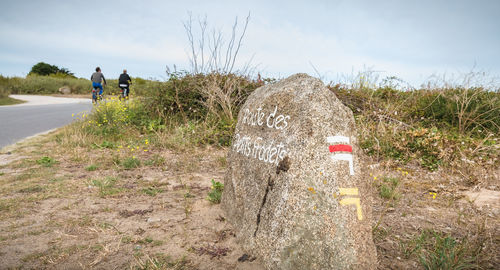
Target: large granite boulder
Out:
[294,190]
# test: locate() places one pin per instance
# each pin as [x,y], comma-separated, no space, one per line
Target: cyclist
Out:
[124,82]
[96,79]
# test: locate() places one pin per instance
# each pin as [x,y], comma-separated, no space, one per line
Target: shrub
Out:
[209,100]
[433,127]
[111,117]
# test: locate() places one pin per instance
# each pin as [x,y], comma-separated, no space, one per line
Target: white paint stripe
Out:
[346,157]
[337,139]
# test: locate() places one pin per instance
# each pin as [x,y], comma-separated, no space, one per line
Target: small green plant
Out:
[32,189]
[152,191]
[446,253]
[215,193]
[91,168]
[156,160]
[161,261]
[106,186]
[147,240]
[104,144]
[46,161]
[127,239]
[131,162]
[387,188]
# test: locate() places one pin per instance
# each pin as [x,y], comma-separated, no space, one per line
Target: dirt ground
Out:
[82,211]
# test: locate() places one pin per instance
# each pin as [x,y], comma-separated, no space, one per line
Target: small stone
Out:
[65,90]
[151,219]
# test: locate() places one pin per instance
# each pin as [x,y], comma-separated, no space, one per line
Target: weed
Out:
[131,162]
[387,188]
[151,191]
[104,144]
[126,239]
[46,161]
[106,186]
[156,160]
[215,193]
[32,189]
[446,253]
[91,168]
[56,179]
[161,261]
[147,240]
[157,243]
[222,161]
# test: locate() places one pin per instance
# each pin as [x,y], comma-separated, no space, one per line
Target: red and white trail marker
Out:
[341,150]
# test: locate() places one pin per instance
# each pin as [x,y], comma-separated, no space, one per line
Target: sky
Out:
[333,40]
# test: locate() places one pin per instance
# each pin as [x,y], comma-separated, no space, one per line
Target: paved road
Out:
[20,121]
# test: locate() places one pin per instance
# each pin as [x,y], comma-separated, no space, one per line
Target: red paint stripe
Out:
[340,148]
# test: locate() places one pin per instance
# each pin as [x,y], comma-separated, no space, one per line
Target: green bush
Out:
[211,101]
[112,117]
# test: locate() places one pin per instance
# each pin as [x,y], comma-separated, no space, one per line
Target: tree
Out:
[45,69]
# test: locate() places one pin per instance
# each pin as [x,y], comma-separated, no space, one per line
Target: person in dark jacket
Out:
[97,78]
[124,82]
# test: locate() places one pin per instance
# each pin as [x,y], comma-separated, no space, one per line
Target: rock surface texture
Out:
[294,190]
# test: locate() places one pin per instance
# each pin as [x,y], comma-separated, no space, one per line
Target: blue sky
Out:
[408,39]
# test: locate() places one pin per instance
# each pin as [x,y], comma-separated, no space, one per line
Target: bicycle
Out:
[96,97]
[124,91]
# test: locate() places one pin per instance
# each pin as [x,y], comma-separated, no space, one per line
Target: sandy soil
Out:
[158,217]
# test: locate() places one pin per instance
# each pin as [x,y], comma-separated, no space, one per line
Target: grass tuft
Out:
[46,161]
[106,186]
[131,163]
